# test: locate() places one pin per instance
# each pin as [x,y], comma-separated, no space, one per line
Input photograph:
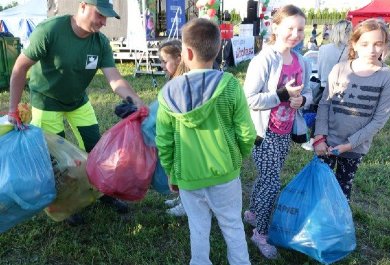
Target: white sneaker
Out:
[177,211]
[308,145]
[173,202]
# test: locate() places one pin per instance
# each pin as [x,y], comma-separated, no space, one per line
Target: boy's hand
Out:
[293,91]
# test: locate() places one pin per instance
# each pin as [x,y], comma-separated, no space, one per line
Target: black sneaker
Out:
[118,205]
[75,220]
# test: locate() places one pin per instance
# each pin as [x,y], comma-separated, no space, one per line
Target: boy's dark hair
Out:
[314,25]
[204,37]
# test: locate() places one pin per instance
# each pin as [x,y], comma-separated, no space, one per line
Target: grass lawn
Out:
[149,236]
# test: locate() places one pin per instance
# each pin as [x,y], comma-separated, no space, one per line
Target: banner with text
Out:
[243,48]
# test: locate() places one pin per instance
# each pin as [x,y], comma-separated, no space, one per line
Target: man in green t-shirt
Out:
[64,54]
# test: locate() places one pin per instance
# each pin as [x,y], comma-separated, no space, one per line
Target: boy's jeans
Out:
[225,201]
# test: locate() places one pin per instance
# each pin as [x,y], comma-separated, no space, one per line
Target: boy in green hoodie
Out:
[204,130]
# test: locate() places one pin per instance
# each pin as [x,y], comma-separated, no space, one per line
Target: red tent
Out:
[375,9]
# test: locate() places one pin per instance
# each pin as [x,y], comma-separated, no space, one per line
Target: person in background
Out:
[64,55]
[334,52]
[355,104]
[276,87]
[325,30]
[170,57]
[325,39]
[314,34]
[311,45]
[328,56]
[204,130]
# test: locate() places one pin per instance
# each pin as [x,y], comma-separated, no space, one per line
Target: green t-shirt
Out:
[65,64]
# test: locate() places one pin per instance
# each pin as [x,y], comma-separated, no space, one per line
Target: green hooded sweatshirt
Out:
[203,129]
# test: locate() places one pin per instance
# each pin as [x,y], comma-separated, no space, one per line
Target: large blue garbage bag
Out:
[26,176]
[159,179]
[312,216]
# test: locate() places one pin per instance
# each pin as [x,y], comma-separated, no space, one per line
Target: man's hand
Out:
[13,117]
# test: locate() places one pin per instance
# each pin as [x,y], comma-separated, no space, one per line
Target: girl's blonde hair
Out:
[282,13]
[341,32]
[181,69]
[367,26]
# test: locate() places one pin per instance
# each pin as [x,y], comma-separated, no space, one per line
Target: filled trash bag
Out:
[26,176]
[121,165]
[74,192]
[312,216]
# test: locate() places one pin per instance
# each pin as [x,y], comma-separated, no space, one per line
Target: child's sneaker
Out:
[260,240]
[308,145]
[177,211]
[173,202]
[250,218]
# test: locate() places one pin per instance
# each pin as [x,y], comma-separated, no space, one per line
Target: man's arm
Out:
[18,82]
[120,86]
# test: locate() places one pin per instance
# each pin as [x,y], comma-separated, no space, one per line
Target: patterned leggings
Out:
[269,158]
[345,171]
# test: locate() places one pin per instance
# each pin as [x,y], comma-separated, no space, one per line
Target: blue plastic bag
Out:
[149,125]
[26,176]
[312,216]
[159,179]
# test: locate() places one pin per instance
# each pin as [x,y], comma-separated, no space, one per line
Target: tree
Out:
[14,3]
[236,18]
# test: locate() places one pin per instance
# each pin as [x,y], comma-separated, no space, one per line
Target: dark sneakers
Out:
[75,220]
[118,205]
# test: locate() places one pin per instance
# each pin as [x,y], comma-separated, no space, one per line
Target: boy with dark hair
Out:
[204,130]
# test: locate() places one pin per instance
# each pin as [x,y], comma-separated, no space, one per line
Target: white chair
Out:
[312,57]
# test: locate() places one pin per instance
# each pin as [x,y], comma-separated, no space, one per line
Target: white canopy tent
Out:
[22,19]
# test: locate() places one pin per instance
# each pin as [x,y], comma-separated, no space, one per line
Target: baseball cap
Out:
[105,7]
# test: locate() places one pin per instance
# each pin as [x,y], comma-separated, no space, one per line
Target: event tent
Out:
[375,9]
[22,19]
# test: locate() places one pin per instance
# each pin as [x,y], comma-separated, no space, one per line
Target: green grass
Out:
[148,236]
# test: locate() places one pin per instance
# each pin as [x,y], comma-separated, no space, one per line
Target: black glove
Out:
[126,108]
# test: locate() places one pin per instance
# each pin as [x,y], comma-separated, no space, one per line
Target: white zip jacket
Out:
[261,82]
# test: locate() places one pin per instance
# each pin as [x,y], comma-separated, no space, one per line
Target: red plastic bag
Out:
[121,165]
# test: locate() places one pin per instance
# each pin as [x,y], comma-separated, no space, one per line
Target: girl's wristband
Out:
[317,142]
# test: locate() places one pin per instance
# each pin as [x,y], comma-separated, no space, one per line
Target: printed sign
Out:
[172,7]
[243,48]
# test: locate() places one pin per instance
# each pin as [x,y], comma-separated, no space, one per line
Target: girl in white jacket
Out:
[276,87]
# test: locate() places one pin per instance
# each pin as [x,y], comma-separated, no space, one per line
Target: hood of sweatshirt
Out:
[191,98]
